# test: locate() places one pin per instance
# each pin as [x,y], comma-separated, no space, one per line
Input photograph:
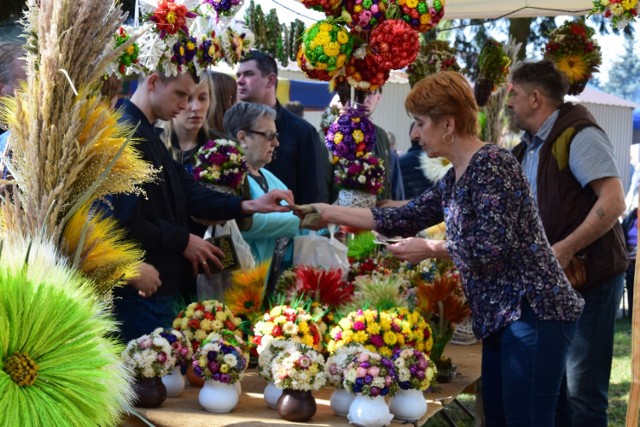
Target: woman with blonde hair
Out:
[523,307]
[223,97]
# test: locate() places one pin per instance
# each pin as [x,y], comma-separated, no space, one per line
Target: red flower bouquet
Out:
[393,45]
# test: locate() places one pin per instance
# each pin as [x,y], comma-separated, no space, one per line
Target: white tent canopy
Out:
[468,9]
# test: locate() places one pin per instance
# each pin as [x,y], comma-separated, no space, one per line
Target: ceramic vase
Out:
[238,387]
[218,397]
[368,411]
[150,392]
[174,382]
[272,394]
[408,405]
[194,380]
[296,405]
[356,199]
[341,401]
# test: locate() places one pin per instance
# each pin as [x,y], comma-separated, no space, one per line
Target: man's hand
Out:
[198,252]
[148,280]
[270,202]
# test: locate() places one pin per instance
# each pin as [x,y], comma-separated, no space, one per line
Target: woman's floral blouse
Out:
[496,240]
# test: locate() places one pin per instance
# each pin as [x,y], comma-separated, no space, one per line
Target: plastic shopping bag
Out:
[315,250]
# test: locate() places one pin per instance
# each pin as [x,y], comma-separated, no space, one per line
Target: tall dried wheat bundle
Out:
[68,149]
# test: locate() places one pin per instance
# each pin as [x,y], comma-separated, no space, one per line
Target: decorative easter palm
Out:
[493,68]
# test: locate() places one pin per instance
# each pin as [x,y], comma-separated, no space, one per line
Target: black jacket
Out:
[415,183]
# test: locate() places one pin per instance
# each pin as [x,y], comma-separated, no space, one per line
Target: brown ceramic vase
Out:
[296,405]
[151,392]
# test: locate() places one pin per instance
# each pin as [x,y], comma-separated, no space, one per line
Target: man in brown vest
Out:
[570,165]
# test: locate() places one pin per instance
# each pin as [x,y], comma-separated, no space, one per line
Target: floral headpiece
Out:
[415,370]
[621,12]
[327,46]
[364,174]
[370,374]
[434,56]
[575,52]
[201,318]
[351,136]
[298,367]
[149,356]
[221,361]
[220,162]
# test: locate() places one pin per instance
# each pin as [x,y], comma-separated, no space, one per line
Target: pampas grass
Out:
[68,148]
[51,317]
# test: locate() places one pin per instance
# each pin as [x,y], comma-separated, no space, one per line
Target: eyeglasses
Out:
[269,135]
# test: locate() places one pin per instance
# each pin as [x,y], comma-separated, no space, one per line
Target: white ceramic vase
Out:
[341,401]
[238,387]
[174,382]
[218,397]
[272,394]
[408,405]
[368,411]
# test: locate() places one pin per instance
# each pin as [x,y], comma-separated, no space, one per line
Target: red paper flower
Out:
[393,45]
[365,75]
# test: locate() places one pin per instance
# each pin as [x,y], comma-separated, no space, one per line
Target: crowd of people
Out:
[534,233]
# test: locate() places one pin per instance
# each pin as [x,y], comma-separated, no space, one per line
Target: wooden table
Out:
[185,411]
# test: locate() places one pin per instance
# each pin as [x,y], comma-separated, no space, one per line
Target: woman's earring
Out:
[446,140]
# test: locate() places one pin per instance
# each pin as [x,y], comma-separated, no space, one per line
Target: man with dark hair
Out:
[570,165]
[301,160]
[158,218]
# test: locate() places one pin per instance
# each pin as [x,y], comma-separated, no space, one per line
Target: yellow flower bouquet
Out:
[287,322]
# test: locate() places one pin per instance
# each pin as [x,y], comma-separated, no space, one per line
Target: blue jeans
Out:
[522,367]
[585,391]
[139,316]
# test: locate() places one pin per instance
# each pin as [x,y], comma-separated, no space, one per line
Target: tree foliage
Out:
[624,75]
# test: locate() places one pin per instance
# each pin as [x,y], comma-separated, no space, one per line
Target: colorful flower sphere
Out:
[329,7]
[365,15]
[209,51]
[310,72]
[285,322]
[363,73]
[327,46]
[130,54]
[621,12]
[422,15]
[171,17]
[393,45]
[184,52]
[352,135]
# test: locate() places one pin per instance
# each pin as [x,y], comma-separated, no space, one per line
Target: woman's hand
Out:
[417,249]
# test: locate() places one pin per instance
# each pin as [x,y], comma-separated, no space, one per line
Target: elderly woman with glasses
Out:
[254,127]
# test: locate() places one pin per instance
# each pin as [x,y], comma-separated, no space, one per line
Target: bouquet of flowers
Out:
[231,338]
[415,370]
[298,367]
[382,331]
[236,45]
[181,348]
[209,51]
[225,7]
[336,364]
[220,162]
[201,318]
[363,73]
[351,136]
[325,286]
[393,44]
[129,57]
[219,360]
[493,68]
[287,322]
[265,359]
[246,296]
[434,56]
[575,52]
[327,46]
[149,356]
[370,374]
[421,14]
[621,12]
[365,174]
